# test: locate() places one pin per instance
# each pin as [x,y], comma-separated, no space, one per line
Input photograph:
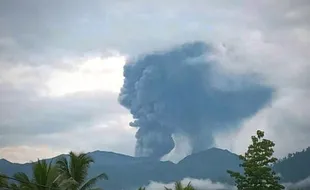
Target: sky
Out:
[61,69]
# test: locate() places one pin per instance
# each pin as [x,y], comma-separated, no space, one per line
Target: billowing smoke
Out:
[181,92]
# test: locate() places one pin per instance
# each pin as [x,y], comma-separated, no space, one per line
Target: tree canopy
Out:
[257,162]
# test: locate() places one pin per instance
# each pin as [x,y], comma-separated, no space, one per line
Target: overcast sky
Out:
[61,68]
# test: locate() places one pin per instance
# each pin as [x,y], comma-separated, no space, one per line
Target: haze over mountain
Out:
[126,172]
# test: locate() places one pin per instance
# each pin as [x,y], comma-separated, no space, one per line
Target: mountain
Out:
[295,167]
[126,171]
[212,164]
[9,168]
[131,172]
[135,172]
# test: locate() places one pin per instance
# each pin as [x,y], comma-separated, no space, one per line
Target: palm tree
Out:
[141,188]
[178,186]
[44,177]
[76,169]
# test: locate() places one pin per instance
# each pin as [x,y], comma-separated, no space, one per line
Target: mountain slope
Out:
[212,163]
[295,167]
[127,172]
[9,168]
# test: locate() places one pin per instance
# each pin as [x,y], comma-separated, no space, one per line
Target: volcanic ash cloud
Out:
[182,92]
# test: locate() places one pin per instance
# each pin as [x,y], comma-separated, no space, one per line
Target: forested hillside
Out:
[294,167]
[211,164]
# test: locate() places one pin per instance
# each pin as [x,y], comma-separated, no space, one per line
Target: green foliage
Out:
[178,186]
[65,175]
[3,181]
[76,171]
[257,166]
[44,177]
[141,188]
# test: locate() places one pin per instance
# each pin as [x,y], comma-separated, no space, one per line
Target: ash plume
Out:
[180,92]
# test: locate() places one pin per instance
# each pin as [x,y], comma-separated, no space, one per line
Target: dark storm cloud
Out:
[60,28]
[45,24]
[179,92]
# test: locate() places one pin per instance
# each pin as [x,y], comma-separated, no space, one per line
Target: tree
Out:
[257,163]
[3,181]
[45,177]
[76,169]
[178,186]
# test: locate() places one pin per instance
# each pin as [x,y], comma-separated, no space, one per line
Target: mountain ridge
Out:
[127,171]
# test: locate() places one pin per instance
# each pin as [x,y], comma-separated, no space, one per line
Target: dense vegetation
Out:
[66,174]
[70,172]
[257,163]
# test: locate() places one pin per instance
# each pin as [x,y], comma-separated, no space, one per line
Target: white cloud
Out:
[302,184]
[74,104]
[104,74]
[112,135]
[199,184]
[285,68]
[108,134]
[182,149]
[285,121]
[21,154]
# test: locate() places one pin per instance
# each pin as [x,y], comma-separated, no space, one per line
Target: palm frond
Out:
[74,170]
[91,182]
[189,187]
[67,183]
[40,172]
[44,175]
[63,166]
[14,186]
[178,185]
[79,165]
[23,181]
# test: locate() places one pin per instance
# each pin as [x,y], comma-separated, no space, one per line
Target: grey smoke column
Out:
[180,92]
